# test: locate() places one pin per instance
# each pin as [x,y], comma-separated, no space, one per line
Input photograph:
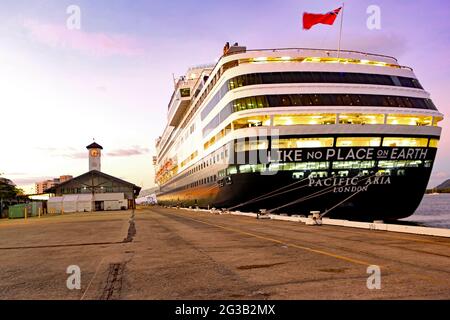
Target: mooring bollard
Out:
[263,214]
[315,219]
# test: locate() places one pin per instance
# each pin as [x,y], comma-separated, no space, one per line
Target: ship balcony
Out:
[179,106]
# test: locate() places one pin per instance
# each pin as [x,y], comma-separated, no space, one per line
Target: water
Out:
[434,211]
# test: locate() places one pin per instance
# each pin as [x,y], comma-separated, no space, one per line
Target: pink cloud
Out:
[440,175]
[134,151]
[91,43]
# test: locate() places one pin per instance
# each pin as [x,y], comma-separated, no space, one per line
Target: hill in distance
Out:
[444,186]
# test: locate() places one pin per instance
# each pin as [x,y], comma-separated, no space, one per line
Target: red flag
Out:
[311,19]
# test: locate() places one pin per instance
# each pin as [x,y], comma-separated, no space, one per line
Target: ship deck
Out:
[181,254]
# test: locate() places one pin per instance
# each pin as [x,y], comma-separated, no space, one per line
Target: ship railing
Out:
[329,51]
[319,50]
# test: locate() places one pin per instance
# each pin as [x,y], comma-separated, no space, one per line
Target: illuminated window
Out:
[299,166]
[243,146]
[318,174]
[192,157]
[358,142]
[304,119]
[252,168]
[353,165]
[361,118]
[437,120]
[409,120]
[343,174]
[185,92]
[298,175]
[399,164]
[303,143]
[434,143]
[405,142]
[232,170]
[256,121]
[223,133]
[312,166]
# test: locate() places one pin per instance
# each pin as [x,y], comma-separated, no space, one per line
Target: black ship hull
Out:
[363,194]
[387,198]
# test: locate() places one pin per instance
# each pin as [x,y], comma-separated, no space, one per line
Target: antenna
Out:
[174,80]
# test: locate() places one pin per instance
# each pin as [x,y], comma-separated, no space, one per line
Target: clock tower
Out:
[95,154]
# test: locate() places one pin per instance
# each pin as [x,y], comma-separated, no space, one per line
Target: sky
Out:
[111,80]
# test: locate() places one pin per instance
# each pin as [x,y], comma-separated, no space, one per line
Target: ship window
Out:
[437,120]
[298,166]
[232,170]
[405,142]
[256,121]
[185,92]
[243,146]
[400,164]
[307,166]
[410,82]
[361,119]
[304,119]
[302,143]
[252,168]
[358,142]
[302,77]
[320,100]
[409,120]
[353,165]
[343,174]
[383,173]
[298,175]
[434,143]
[318,174]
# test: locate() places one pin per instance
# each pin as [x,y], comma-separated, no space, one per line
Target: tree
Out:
[8,190]
[9,194]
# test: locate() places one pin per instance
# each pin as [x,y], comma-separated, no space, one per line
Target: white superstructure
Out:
[199,123]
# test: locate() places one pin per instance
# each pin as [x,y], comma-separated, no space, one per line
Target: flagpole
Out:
[340,32]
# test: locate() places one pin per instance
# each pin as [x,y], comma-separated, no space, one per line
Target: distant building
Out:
[63,179]
[44,185]
[93,191]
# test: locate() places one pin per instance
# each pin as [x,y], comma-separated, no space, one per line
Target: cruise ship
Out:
[292,131]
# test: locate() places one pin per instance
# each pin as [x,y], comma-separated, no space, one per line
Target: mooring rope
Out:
[340,203]
[270,194]
[315,195]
